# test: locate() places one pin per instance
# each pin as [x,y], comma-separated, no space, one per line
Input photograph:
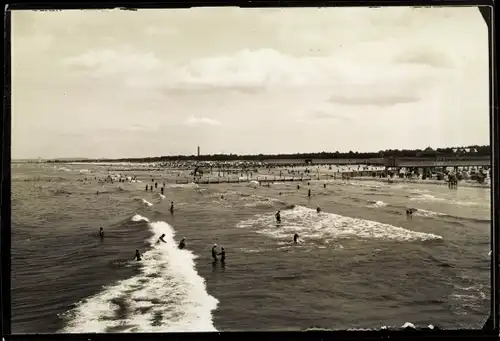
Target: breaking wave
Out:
[327,226]
[378,203]
[168,296]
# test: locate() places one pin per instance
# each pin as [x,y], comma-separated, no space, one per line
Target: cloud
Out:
[383,101]
[35,43]
[201,121]
[325,115]
[426,56]
[382,95]
[142,127]
[109,62]
[247,71]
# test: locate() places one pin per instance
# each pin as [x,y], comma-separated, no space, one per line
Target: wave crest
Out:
[168,295]
[326,226]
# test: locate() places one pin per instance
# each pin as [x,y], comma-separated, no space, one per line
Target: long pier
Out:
[276,178]
[259,179]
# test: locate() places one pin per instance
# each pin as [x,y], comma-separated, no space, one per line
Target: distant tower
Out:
[198,151]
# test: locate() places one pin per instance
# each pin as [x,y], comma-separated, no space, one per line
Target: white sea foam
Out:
[378,203]
[426,213]
[147,202]
[253,184]
[431,198]
[189,185]
[168,296]
[326,226]
[138,217]
[466,203]
[258,250]
[408,325]
[161,196]
[398,186]
[426,197]
[360,184]
[418,190]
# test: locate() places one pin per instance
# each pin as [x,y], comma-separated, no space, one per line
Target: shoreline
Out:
[421,182]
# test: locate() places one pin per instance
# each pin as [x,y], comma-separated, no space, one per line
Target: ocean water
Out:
[360,263]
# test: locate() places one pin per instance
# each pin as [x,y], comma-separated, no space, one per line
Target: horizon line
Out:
[246,155]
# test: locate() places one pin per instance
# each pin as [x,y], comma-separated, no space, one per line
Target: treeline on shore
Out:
[425,153]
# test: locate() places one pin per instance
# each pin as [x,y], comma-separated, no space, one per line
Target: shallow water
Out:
[360,262]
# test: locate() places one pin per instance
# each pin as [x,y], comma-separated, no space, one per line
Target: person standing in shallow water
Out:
[214,252]
[172,207]
[309,193]
[222,255]
[101,232]
[137,255]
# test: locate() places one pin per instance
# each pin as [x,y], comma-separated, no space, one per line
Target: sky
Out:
[247,81]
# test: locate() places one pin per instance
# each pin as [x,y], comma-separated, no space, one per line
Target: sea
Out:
[359,263]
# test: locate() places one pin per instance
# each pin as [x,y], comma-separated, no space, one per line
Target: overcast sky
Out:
[161,82]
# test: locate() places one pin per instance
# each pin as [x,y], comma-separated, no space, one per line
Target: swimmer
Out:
[222,254]
[161,239]
[137,255]
[298,186]
[296,238]
[214,252]
[182,244]
[278,216]
[171,207]
[280,193]
[101,232]
[324,185]
[409,213]
[222,196]
[318,209]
